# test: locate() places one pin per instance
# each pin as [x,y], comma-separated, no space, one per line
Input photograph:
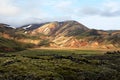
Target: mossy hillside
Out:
[9,45]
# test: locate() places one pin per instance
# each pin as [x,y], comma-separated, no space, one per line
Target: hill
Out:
[70,34]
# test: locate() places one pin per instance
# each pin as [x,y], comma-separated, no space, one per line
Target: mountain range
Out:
[65,34]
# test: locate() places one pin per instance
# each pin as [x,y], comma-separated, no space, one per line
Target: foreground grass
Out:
[59,65]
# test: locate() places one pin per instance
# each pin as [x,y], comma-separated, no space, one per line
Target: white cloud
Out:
[64,6]
[111,8]
[17,15]
[7,8]
[90,11]
[105,15]
[98,22]
[108,9]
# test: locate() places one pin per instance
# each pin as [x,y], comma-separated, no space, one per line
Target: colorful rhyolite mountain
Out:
[66,34]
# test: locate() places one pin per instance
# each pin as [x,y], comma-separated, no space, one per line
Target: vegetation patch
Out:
[9,45]
[59,65]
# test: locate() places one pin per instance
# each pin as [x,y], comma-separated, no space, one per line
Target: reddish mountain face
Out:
[70,34]
[67,28]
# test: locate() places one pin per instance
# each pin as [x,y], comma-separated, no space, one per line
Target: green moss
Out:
[10,45]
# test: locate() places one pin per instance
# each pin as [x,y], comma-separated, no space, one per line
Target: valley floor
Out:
[60,64]
[65,48]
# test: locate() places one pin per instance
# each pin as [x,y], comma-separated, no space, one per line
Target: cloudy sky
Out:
[99,14]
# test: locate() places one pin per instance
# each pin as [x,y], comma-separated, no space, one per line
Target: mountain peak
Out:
[67,28]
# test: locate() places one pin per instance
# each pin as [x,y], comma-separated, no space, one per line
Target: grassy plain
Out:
[59,64]
[59,51]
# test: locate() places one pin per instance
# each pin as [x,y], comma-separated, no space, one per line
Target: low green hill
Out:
[8,45]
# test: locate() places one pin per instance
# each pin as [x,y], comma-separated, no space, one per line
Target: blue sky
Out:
[98,14]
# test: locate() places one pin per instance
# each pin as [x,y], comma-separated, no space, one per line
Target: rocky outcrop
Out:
[46,29]
[71,42]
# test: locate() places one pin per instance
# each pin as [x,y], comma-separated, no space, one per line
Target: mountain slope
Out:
[6,31]
[63,34]
[73,34]
[67,28]
[8,45]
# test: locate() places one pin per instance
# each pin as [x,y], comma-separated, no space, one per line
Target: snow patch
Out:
[12,27]
[27,27]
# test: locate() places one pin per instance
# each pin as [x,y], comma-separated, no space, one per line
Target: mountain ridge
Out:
[65,34]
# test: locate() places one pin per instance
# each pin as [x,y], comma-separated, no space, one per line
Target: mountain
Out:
[32,26]
[56,28]
[64,34]
[6,31]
